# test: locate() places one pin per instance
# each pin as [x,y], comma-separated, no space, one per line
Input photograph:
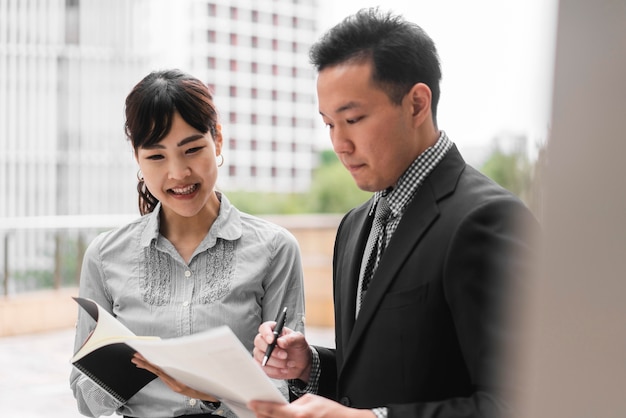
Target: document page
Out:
[213,362]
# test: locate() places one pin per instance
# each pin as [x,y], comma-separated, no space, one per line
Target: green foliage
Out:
[332,191]
[29,280]
[328,157]
[70,259]
[510,170]
[268,203]
[65,260]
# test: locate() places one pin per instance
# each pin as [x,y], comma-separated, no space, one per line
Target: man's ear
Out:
[420,98]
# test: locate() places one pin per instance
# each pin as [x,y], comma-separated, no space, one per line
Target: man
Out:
[424,337]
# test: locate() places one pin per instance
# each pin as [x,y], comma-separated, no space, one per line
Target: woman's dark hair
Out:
[150,108]
[402,54]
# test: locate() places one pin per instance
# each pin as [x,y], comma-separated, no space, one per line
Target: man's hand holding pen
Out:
[291,356]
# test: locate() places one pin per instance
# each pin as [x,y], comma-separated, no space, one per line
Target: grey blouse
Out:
[241,274]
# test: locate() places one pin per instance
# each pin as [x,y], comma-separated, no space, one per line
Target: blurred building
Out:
[255,55]
[66,67]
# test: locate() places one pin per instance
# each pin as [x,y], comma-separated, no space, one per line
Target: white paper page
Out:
[107,330]
[213,362]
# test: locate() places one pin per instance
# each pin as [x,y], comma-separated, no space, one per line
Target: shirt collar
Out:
[227,225]
[399,195]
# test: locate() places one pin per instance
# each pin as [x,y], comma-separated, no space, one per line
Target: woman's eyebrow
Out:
[184,141]
[190,139]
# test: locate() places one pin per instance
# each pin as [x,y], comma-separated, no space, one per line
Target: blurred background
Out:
[66,66]
[67,171]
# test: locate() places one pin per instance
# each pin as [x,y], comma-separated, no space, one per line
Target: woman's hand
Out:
[139,361]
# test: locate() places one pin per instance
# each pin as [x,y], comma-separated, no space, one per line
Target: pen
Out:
[280,323]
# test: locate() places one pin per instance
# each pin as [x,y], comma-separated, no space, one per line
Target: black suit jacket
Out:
[428,340]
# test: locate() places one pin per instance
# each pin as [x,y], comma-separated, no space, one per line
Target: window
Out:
[211,36]
[232,90]
[72,26]
[212,9]
[233,65]
[233,13]
[233,39]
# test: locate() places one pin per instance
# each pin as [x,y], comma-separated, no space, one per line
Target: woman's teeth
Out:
[184,190]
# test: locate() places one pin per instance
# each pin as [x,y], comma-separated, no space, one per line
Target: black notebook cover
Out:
[110,367]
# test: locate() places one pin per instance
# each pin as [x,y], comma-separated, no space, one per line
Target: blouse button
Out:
[185,303]
[187,273]
[192,402]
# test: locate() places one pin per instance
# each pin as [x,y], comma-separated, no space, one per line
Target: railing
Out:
[32,245]
[59,226]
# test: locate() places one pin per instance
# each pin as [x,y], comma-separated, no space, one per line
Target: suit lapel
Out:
[421,212]
[354,246]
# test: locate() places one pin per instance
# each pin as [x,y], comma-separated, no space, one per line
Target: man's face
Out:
[375,139]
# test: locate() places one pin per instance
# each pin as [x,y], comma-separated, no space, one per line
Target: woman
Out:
[192,261]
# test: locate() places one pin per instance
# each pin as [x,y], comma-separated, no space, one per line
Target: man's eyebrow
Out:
[344,107]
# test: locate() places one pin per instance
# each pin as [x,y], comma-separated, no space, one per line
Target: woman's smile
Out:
[184,190]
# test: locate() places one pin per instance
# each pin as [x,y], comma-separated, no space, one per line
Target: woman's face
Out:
[181,170]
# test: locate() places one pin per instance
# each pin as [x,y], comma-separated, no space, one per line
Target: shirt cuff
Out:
[298,387]
[380,412]
[211,405]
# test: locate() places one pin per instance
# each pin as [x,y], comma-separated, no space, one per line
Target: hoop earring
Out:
[221,163]
[139,175]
